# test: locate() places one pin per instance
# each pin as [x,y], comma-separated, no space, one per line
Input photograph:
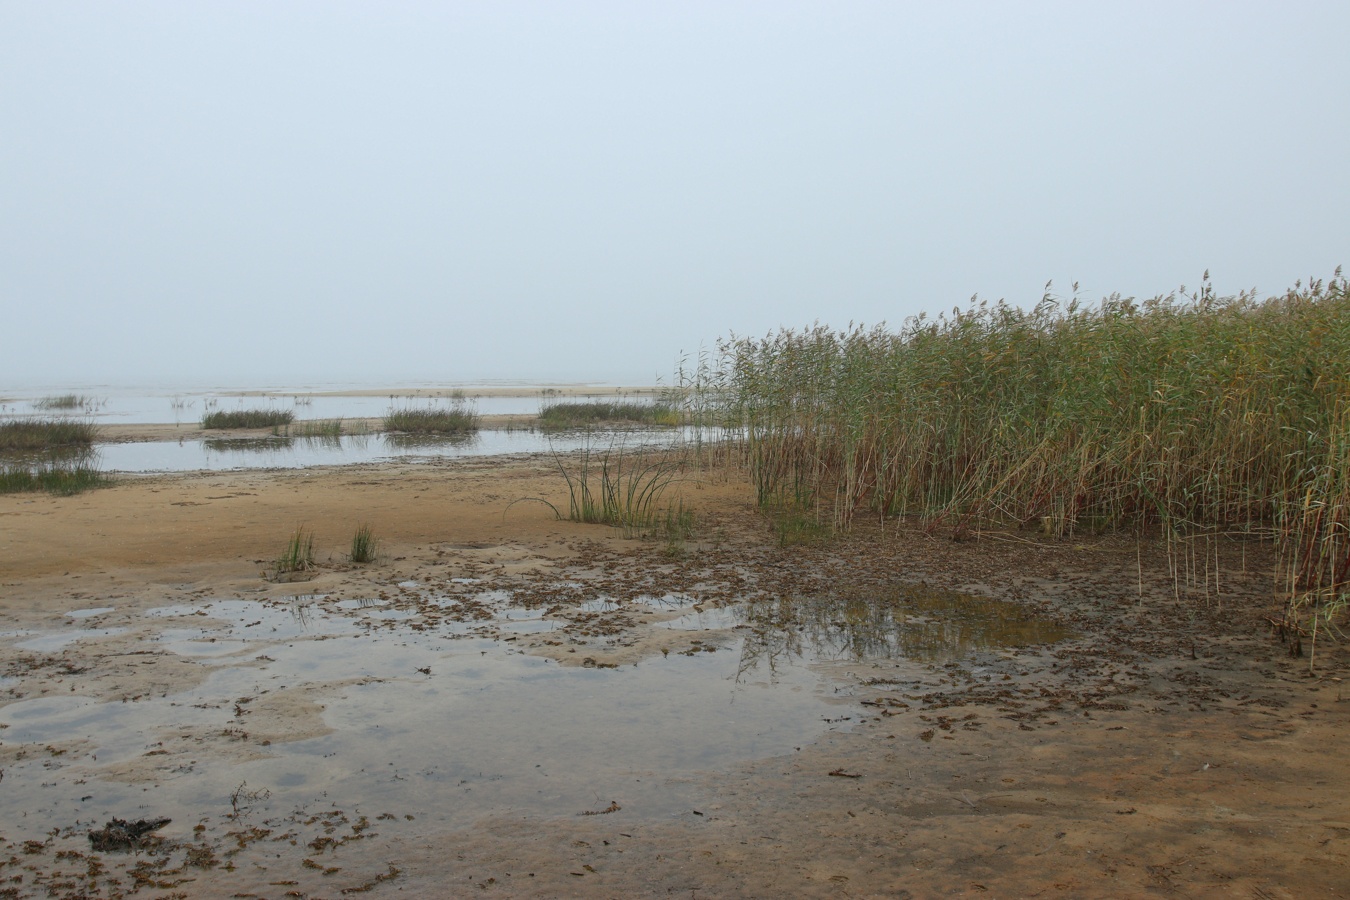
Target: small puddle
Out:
[54,641]
[87,613]
[914,622]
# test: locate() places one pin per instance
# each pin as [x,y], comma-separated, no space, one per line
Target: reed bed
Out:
[27,435]
[1192,412]
[458,418]
[247,418]
[580,414]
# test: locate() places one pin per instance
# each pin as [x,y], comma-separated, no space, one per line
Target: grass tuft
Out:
[27,435]
[299,553]
[365,545]
[457,419]
[326,429]
[53,479]
[66,401]
[579,414]
[248,418]
[626,490]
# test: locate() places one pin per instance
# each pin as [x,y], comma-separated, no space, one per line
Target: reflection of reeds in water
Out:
[248,445]
[398,441]
[907,621]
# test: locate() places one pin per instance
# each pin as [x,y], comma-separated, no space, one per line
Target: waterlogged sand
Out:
[301,734]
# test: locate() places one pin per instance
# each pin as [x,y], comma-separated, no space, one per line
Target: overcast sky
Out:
[230,194]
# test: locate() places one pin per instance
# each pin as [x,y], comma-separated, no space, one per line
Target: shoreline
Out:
[1166,734]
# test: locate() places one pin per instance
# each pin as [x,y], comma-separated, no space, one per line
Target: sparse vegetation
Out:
[247,418]
[365,545]
[578,414]
[458,418]
[1208,417]
[27,435]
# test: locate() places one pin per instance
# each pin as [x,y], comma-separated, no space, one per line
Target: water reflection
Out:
[903,621]
[247,445]
[430,441]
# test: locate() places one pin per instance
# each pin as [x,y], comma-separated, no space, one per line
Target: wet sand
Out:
[1168,746]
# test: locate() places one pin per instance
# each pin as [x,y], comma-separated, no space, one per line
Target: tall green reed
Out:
[1194,412]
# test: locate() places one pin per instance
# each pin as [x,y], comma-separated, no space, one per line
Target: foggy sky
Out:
[242,193]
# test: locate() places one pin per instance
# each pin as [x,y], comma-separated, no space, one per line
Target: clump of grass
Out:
[459,417]
[27,435]
[365,545]
[53,479]
[1193,413]
[796,523]
[579,414]
[299,553]
[626,490]
[316,428]
[247,418]
[66,401]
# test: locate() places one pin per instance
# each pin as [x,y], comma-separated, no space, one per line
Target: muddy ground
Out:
[1167,744]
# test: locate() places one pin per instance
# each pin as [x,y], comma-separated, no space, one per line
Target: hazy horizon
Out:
[309,193]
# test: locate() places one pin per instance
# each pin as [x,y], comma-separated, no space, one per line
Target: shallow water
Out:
[160,407]
[299,453]
[447,721]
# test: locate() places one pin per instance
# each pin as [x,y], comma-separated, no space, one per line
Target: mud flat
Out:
[504,703]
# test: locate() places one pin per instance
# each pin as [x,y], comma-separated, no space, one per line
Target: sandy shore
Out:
[1168,746]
